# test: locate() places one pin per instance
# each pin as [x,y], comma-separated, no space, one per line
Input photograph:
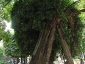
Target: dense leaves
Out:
[12,49]
[4,62]
[2,28]
[5,8]
[1,53]
[29,18]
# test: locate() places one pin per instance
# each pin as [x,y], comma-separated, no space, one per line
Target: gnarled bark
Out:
[43,52]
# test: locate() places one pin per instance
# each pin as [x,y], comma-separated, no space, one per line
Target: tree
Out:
[42,19]
[5,8]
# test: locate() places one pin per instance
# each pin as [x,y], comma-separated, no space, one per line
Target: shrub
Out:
[4,62]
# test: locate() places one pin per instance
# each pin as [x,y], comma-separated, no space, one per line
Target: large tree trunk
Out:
[43,52]
[65,47]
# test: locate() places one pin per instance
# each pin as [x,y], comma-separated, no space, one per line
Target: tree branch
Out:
[70,6]
[77,12]
[7,3]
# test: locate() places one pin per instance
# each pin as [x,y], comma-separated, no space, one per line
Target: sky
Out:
[1,43]
[8,27]
[75,0]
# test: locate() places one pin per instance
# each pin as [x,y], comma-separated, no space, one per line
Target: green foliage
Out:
[7,37]
[73,34]
[2,27]
[33,12]
[12,49]
[29,18]
[5,7]
[83,41]
[79,6]
[6,11]
[4,35]
[1,53]
[77,37]
[4,62]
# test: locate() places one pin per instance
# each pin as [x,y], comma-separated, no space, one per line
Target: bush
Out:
[4,62]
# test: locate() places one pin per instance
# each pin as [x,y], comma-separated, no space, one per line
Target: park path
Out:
[76,61]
